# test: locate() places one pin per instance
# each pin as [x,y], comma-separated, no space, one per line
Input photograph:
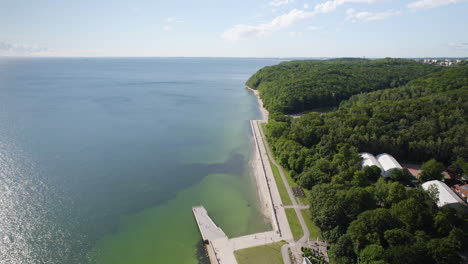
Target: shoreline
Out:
[257,165]
[263,111]
[220,247]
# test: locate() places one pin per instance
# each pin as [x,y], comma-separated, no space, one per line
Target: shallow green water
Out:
[168,233]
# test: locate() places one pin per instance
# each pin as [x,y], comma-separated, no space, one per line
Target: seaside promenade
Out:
[221,248]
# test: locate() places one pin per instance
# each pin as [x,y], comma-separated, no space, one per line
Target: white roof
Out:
[446,195]
[369,160]
[387,162]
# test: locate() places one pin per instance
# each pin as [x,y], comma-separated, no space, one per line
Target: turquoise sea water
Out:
[101,160]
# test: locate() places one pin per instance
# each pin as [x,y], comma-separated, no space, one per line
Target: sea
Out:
[102,159]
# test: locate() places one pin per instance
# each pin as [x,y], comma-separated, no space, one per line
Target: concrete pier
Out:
[208,229]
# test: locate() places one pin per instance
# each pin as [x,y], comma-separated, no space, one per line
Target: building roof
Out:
[462,188]
[388,162]
[369,160]
[446,195]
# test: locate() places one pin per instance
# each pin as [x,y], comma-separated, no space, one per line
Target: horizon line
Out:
[230,57]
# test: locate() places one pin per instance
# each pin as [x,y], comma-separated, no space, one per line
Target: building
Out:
[388,163]
[462,191]
[369,160]
[446,195]
[384,161]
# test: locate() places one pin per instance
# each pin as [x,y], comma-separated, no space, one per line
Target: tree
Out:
[442,251]
[373,172]
[413,214]
[396,175]
[398,237]
[446,219]
[343,251]
[433,192]
[311,177]
[359,179]
[381,191]
[431,170]
[370,254]
[457,168]
[370,226]
[396,193]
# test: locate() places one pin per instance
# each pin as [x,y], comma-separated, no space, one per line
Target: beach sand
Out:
[260,103]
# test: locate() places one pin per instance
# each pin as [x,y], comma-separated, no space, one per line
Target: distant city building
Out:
[384,161]
[445,195]
[462,191]
[442,62]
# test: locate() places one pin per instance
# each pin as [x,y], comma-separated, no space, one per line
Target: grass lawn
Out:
[279,181]
[292,183]
[313,229]
[296,228]
[281,188]
[267,254]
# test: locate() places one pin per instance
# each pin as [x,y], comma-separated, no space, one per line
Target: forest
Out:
[415,112]
[298,86]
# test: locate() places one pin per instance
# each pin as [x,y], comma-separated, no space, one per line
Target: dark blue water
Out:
[85,142]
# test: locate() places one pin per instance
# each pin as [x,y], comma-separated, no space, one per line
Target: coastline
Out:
[263,110]
[257,166]
[220,247]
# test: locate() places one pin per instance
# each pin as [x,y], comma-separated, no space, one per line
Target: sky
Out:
[240,28]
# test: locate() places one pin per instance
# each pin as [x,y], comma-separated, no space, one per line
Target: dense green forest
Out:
[366,218]
[298,86]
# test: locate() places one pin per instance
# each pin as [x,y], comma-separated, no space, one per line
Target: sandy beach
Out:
[257,167]
[260,103]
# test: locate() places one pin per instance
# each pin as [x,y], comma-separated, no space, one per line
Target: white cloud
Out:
[458,46]
[295,34]
[330,6]
[314,27]
[173,20]
[167,28]
[280,2]
[355,16]
[243,31]
[13,49]
[427,4]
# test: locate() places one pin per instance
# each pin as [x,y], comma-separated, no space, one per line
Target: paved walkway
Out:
[295,246]
[300,206]
[221,248]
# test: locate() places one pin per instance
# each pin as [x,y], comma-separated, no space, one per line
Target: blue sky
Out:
[241,28]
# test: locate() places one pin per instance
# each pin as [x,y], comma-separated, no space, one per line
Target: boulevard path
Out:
[220,247]
[294,246]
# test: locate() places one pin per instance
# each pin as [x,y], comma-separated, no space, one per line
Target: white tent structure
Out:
[384,161]
[446,195]
[369,160]
[388,163]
